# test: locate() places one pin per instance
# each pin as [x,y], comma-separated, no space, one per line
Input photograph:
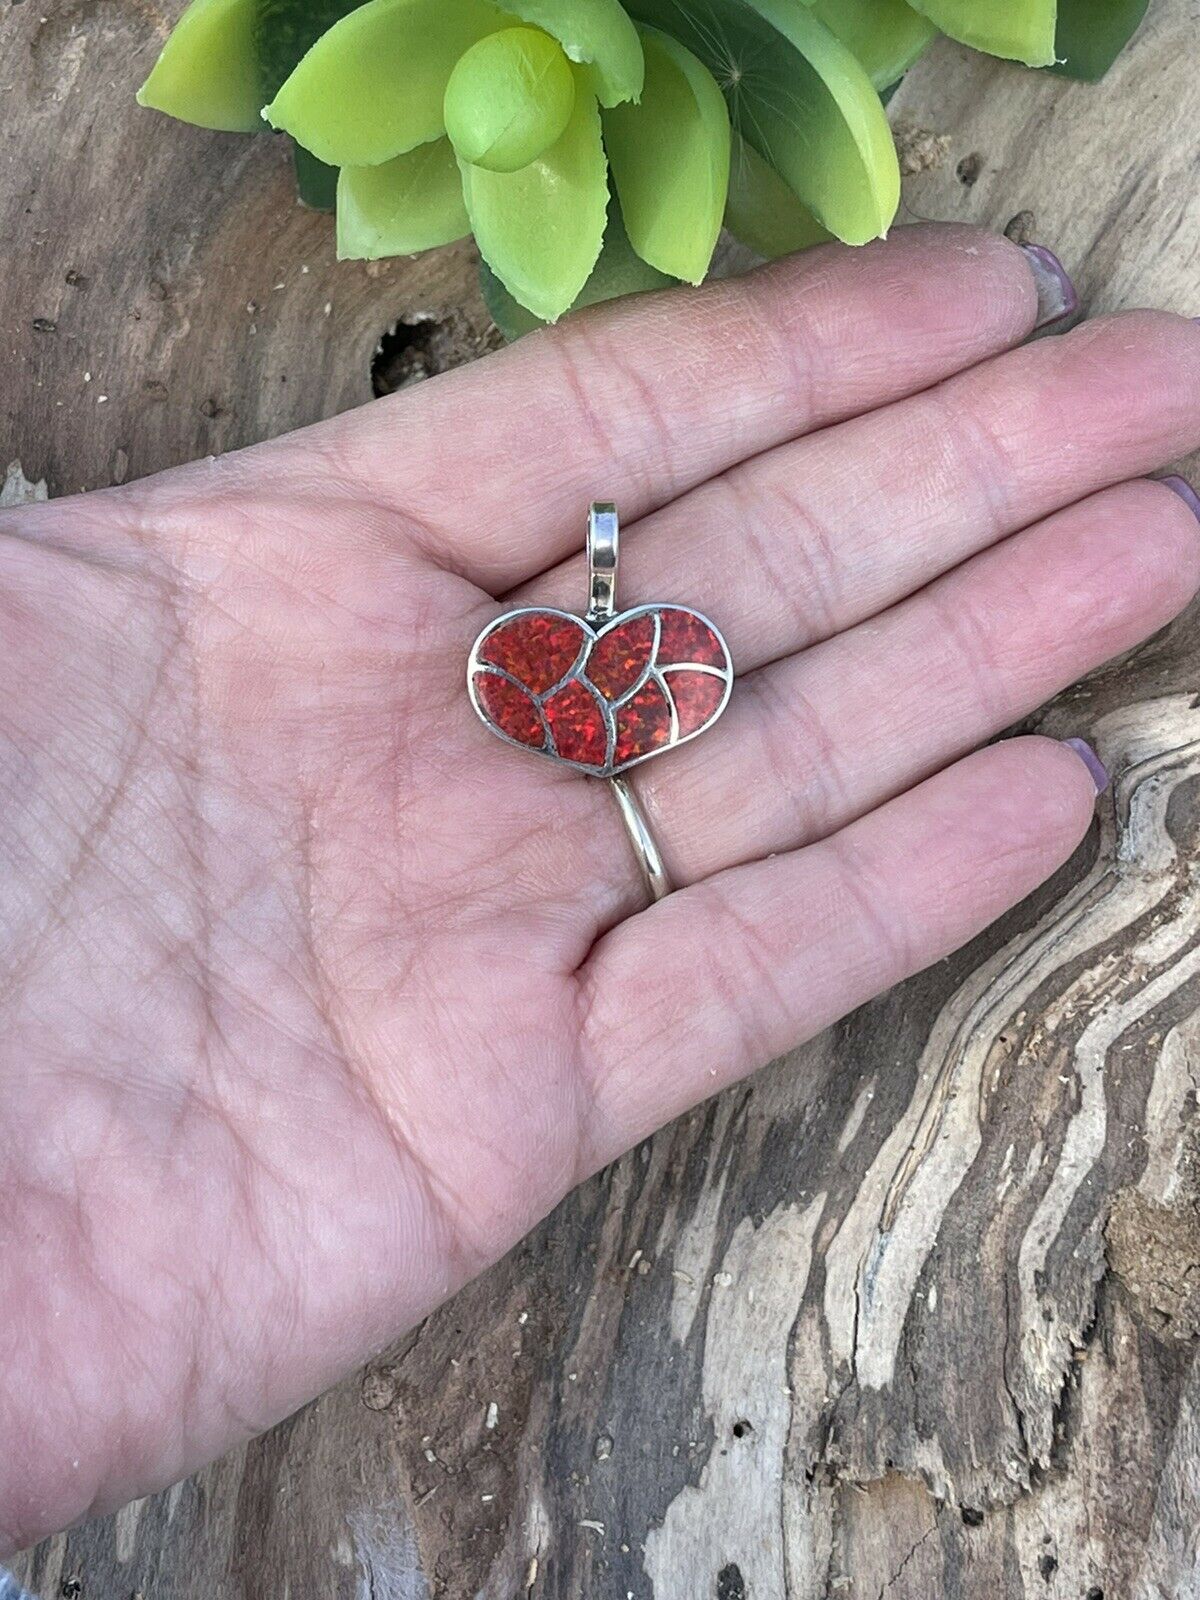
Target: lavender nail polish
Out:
[1184,490]
[1057,296]
[1097,771]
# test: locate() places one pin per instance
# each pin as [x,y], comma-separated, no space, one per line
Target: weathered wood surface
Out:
[916,1314]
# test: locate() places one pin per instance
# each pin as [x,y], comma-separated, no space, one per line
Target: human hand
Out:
[314,997]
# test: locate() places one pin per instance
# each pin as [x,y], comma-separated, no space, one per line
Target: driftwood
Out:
[916,1313]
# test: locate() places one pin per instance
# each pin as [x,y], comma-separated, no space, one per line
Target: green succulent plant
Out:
[594,147]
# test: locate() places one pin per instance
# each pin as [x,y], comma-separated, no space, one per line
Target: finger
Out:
[820,533]
[823,737]
[637,401]
[718,979]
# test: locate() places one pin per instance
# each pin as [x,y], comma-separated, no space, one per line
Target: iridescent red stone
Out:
[538,648]
[687,637]
[577,725]
[613,710]
[621,655]
[511,709]
[643,723]
[697,697]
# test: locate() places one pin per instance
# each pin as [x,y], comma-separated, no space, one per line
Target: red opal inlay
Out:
[538,648]
[643,723]
[621,655]
[577,725]
[687,637]
[616,705]
[510,708]
[697,697]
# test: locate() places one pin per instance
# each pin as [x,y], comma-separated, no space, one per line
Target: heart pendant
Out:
[605,691]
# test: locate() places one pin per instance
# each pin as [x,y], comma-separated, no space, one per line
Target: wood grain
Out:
[915,1314]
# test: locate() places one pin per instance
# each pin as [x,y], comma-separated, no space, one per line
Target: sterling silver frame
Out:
[608,709]
[601,617]
[603,550]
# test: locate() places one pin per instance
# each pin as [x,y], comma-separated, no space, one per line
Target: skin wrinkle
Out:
[815,791]
[762,962]
[442,1205]
[979,453]
[204,982]
[600,1031]
[591,406]
[794,351]
[420,539]
[175,952]
[452,1241]
[1001,642]
[84,1256]
[792,557]
[123,899]
[971,638]
[90,559]
[547,824]
[214,1311]
[463,1256]
[85,853]
[337,478]
[656,415]
[312,474]
[859,880]
[244,628]
[588,1149]
[604,977]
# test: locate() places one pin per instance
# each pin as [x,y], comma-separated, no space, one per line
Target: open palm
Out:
[314,997]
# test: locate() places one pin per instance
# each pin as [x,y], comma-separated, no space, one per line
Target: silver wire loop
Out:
[603,537]
[648,854]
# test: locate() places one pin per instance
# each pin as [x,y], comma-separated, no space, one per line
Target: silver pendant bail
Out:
[602,556]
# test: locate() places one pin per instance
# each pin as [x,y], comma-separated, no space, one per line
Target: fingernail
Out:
[1184,490]
[1097,771]
[1056,294]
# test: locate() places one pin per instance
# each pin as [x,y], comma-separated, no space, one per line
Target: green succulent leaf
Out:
[762,211]
[618,272]
[598,36]
[373,86]
[226,58]
[540,229]
[670,160]
[509,98]
[284,32]
[1092,33]
[316,184]
[1019,30]
[887,36]
[801,98]
[207,72]
[413,202]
